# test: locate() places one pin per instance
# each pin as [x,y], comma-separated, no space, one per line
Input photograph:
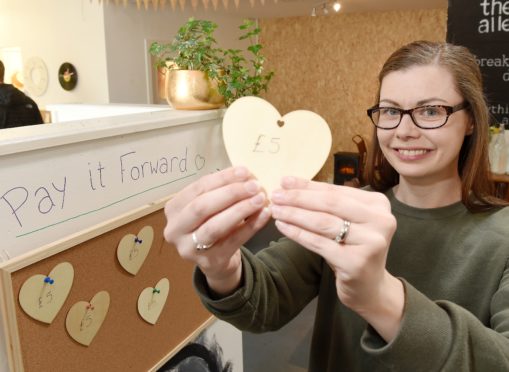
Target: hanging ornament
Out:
[225,4]
[182,4]
[215,3]
[173,4]
[205,4]
[237,3]
[194,4]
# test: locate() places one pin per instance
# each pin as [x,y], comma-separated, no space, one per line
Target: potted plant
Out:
[200,75]
[243,77]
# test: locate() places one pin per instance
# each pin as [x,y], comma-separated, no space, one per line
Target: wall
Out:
[105,42]
[130,31]
[60,31]
[330,64]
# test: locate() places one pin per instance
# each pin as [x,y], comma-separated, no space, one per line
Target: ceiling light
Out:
[336,6]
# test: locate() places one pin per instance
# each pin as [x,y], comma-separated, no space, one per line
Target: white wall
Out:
[60,31]
[105,42]
[127,30]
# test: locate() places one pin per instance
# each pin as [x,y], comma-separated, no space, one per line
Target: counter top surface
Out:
[20,139]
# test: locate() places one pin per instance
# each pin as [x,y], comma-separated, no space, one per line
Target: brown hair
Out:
[2,72]
[476,188]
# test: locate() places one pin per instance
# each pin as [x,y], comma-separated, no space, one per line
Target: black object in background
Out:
[346,167]
[483,27]
[67,76]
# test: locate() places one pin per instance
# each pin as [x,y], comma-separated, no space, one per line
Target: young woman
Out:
[411,275]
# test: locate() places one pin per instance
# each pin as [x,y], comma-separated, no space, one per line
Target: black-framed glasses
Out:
[424,117]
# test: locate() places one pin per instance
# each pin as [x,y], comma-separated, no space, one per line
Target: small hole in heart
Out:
[280,123]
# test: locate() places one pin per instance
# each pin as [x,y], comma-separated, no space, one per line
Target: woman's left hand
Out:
[313,214]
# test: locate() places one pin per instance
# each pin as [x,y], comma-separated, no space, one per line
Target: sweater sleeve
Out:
[278,282]
[443,336]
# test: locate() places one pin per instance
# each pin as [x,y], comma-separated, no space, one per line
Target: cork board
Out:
[125,342]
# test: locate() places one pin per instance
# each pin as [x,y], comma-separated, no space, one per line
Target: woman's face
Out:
[423,155]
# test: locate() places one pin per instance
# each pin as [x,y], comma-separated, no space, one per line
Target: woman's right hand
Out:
[223,210]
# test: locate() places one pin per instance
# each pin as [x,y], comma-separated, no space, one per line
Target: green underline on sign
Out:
[104,207]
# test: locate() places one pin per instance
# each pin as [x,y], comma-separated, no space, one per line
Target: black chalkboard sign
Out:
[483,27]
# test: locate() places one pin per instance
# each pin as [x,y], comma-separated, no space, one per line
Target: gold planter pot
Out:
[192,90]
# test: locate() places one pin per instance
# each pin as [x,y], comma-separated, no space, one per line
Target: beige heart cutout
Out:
[84,319]
[152,300]
[42,297]
[133,250]
[270,146]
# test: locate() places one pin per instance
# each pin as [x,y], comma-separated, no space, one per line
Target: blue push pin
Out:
[48,280]
[139,241]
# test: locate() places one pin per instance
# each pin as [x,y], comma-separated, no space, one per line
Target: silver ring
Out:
[199,246]
[341,237]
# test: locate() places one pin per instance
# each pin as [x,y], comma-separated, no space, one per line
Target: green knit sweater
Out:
[454,266]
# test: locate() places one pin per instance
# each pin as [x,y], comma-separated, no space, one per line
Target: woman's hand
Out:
[221,211]
[313,214]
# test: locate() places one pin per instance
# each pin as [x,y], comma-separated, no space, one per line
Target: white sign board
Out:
[58,179]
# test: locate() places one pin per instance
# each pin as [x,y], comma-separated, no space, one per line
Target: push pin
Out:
[90,307]
[48,280]
[155,290]
[139,241]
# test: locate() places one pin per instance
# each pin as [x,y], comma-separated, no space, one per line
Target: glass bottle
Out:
[498,152]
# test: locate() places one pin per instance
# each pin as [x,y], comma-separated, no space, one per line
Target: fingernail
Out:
[265,212]
[278,196]
[288,181]
[252,187]
[281,225]
[275,211]
[240,171]
[258,199]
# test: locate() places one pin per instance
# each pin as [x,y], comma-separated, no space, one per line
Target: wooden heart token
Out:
[84,319]
[270,145]
[151,300]
[42,296]
[133,249]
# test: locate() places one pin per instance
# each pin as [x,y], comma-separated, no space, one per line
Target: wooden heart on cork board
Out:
[272,146]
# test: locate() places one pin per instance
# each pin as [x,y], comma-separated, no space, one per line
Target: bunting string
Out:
[182,4]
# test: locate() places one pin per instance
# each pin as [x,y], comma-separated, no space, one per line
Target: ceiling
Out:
[291,8]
